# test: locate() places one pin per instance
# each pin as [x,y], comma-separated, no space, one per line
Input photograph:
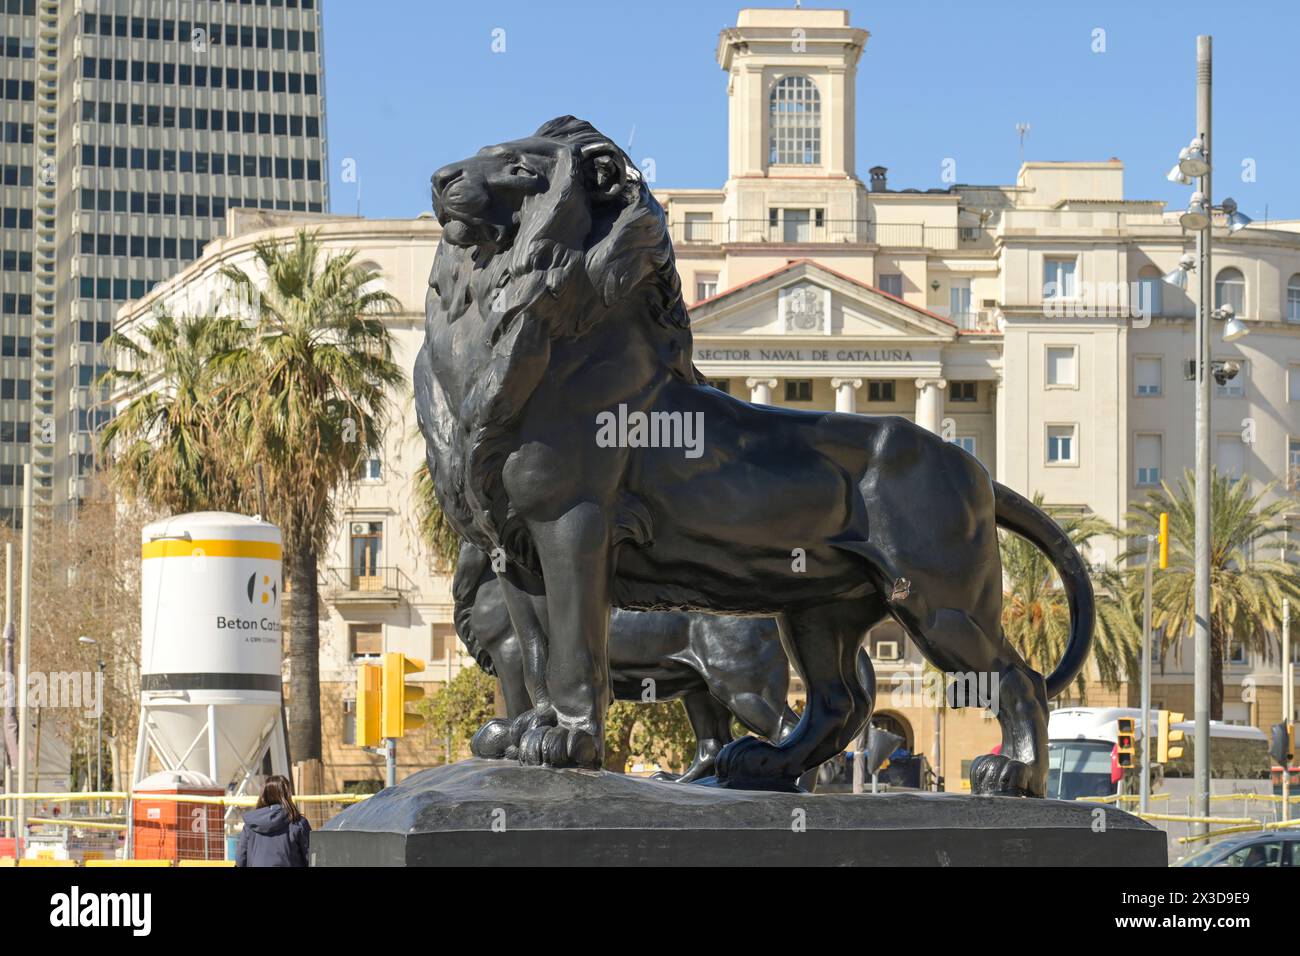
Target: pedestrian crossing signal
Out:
[396,720]
[369,679]
[1125,752]
[1168,740]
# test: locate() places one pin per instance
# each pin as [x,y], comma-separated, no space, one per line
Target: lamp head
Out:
[1237,220]
[1197,216]
[1192,160]
[1234,329]
[1177,276]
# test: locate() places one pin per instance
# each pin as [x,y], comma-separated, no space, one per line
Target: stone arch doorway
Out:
[895,723]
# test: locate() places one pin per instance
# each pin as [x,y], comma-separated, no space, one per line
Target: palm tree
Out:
[1036,617]
[443,542]
[314,388]
[168,446]
[1246,590]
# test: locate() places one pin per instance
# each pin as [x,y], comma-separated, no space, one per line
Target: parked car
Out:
[1252,849]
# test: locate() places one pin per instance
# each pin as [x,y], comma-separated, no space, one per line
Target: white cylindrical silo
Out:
[211,646]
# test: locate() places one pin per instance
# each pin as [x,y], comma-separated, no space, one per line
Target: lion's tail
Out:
[472,570]
[1021,516]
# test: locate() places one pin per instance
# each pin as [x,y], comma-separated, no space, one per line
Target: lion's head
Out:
[543,237]
[563,212]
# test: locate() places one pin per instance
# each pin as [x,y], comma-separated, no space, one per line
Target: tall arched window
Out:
[1150,291]
[795,127]
[1293,299]
[1230,289]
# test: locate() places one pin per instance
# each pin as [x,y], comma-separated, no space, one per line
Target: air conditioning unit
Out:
[887,651]
[358,528]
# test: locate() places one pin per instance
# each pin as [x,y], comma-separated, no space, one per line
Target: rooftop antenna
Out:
[1022,129]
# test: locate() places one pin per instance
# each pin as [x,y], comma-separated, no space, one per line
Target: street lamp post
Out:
[99,733]
[99,723]
[1195,163]
[1144,788]
[1201,708]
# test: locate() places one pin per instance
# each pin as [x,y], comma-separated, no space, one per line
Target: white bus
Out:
[1082,741]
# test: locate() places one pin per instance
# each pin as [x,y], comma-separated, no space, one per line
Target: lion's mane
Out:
[571,263]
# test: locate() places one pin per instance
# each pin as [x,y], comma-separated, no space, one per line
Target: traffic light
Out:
[395,720]
[1164,539]
[369,683]
[1124,750]
[1282,746]
[1167,737]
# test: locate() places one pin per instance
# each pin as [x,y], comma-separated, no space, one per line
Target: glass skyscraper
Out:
[132,127]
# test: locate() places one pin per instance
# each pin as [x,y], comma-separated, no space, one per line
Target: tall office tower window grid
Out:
[169,114]
[25,299]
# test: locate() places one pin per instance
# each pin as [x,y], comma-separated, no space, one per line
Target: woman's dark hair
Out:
[277,791]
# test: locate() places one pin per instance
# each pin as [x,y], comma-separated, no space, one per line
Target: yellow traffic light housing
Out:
[395,720]
[1125,753]
[369,681]
[1164,540]
[1168,740]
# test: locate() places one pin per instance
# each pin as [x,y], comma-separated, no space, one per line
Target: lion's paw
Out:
[753,764]
[492,741]
[544,746]
[530,720]
[999,775]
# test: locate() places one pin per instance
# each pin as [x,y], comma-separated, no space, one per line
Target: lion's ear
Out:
[606,171]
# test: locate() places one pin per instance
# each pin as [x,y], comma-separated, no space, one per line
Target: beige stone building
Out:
[1027,322]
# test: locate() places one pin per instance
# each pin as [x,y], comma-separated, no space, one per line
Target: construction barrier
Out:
[181,828]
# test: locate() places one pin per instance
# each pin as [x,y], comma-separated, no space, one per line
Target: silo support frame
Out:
[271,740]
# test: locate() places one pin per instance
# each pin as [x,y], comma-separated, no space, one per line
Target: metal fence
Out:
[1232,813]
[170,829]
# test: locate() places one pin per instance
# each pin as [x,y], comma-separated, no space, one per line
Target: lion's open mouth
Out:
[472,230]
[461,233]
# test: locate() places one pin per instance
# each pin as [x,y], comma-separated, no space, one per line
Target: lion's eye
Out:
[519,169]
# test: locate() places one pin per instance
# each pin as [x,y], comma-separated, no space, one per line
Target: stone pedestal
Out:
[497,813]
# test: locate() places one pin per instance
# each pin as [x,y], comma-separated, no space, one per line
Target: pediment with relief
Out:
[807,301]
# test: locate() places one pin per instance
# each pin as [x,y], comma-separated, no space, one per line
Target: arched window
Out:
[1293,299]
[1150,286]
[1230,289]
[795,127]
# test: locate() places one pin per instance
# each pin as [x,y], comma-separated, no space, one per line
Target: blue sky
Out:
[412,84]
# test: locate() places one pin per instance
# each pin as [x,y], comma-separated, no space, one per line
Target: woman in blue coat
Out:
[275,833]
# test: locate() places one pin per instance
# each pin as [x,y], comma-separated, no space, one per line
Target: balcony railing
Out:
[366,584]
[702,233]
[982,321]
[895,235]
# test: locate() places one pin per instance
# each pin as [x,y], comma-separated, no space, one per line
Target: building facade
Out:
[1027,322]
[26,292]
[134,126]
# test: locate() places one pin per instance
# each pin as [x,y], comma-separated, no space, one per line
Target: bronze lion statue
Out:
[554,304]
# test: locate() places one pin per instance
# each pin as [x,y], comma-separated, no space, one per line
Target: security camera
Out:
[1225,372]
